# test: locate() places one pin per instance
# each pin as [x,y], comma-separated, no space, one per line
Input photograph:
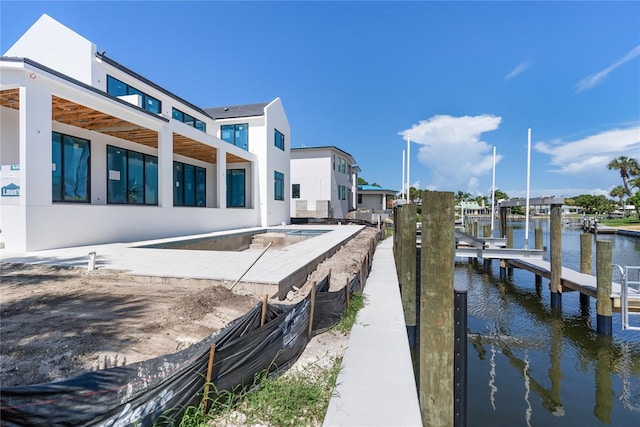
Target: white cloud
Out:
[593,79]
[452,149]
[592,153]
[520,68]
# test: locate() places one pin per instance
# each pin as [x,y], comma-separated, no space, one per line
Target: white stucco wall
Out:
[312,168]
[52,44]
[33,222]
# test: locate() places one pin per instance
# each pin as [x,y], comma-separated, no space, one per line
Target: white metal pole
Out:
[408,168]
[493,190]
[402,186]
[526,213]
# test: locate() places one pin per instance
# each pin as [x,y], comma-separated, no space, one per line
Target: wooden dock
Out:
[576,281]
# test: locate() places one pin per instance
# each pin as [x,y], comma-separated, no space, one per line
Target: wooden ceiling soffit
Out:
[10,98]
[188,147]
[232,158]
[74,114]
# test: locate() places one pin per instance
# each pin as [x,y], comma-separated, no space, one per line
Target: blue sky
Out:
[458,78]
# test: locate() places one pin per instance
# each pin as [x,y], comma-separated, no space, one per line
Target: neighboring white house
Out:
[376,198]
[92,152]
[323,182]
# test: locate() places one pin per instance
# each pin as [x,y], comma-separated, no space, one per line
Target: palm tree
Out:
[618,191]
[628,167]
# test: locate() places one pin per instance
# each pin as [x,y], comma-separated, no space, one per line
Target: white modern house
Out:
[323,182]
[92,152]
[375,198]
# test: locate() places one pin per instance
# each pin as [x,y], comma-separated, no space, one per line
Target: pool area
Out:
[241,241]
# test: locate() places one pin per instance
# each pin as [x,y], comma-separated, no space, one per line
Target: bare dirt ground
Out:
[59,322]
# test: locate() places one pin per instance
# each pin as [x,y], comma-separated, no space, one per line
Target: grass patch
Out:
[617,222]
[349,318]
[293,399]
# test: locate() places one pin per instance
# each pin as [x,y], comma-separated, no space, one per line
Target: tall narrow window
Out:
[70,168]
[295,191]
[189,185]
[279,139]
[278,188]
[236,188]
[178,184]
[135,178]
[150,180]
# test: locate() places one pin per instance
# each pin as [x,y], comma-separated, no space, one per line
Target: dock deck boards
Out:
[576,281]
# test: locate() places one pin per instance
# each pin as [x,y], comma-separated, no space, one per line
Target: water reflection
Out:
[576,377]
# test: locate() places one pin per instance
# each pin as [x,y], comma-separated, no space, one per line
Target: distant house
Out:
[323,182]
[375,198]
[93,152]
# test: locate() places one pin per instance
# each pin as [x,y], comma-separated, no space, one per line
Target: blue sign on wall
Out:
[10,190]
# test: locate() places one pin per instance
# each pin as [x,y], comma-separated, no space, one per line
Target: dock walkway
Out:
[576,281]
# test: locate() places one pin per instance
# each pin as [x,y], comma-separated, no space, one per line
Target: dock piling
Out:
[604,275]
[436,385]
[407,266]
[585,264]
[556,255]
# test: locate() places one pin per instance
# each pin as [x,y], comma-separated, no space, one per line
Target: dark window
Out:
[178,184]
[359,199]
[278,185]
[236,188]
[132,177]
[150,180]
[117,88]
[70,168]
[189,185]
[295,191]
[237,135]
[279,139]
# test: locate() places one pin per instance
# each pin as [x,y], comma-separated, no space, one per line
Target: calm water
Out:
[528,366]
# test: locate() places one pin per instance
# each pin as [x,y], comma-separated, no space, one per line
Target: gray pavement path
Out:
[376,385]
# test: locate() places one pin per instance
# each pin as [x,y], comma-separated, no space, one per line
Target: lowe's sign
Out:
[10,190]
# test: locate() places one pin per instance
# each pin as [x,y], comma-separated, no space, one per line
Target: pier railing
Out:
[627,283]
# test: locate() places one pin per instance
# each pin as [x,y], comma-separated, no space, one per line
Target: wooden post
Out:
[205,399]
[555,230]
[263,315]
[510,236]
[604,275]
[437,310]
[361,274]
[312,309]
[407,267]
[503,222]
[585,263]
[538,237]
[347,294]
